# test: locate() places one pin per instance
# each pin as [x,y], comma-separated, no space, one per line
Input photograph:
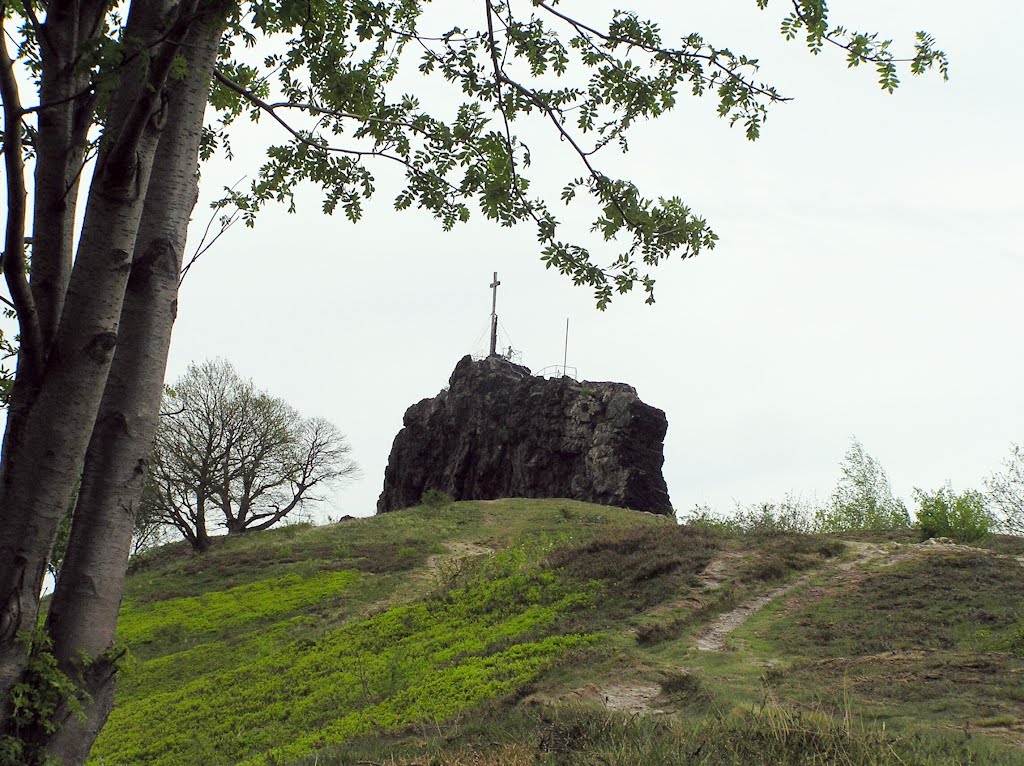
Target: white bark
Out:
[83,614]
[43,457]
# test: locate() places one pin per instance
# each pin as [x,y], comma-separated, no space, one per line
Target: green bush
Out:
[1006,493]
[863,499]
[944,513]
[703,517]
[1012,641]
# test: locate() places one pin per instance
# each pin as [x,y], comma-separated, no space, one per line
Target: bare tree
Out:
[229,455]
[1006,493]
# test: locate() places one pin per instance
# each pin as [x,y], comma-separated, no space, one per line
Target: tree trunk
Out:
[83,615]
[60,145]
[40,467]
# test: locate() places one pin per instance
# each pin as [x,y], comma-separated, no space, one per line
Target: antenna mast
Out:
[565,358]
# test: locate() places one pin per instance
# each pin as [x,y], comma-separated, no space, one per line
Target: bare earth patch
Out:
[632,698]
[457,550]
[712,638]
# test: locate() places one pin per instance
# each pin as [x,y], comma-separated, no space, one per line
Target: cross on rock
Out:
[494,315]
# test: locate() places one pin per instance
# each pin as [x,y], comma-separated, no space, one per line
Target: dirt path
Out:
[712,638]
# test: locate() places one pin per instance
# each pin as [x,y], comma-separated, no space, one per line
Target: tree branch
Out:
[710,58]
[271,109]
[13,259]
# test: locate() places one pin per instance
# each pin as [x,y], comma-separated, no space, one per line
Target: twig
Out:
[204,246]
[711,58]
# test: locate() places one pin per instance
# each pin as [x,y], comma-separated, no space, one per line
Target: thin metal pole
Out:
[565,359]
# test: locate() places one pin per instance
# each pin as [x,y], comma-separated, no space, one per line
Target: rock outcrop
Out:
[498,431]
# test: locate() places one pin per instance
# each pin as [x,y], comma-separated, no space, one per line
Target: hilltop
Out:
[557,632]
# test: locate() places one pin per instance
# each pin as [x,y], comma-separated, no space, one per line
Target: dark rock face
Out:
[500,432]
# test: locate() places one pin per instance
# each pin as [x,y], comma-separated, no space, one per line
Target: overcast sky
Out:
[867,282]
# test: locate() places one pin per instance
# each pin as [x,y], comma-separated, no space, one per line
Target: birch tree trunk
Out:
[83,615]
[60,146]
[55,403]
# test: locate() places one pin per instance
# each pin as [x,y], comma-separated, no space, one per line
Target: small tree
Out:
[863,498]
[1006,493]
[944,513]
[229,455]
[150,530]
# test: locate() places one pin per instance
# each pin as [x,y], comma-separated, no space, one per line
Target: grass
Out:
[639,567]
[224,612]
[459,634]
[913,644]
[408,664]
[956,599]
[764,735]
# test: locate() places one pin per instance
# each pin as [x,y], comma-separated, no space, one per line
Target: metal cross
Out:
[494,315]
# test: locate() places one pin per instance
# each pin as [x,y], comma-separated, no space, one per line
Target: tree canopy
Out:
[589,81]
[229,455]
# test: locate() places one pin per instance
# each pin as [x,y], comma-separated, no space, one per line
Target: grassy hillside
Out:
[550,631]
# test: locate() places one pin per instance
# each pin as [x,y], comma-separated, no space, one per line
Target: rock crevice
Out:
[498,431]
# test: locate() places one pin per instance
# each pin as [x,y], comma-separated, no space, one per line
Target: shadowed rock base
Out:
[498,431]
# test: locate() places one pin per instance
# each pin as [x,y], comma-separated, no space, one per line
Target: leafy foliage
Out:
[810,18]
[37,703]
[945,513]
[862,499]
[790,514]
[8,351]
[1006,493]
[221,612]
[335,90]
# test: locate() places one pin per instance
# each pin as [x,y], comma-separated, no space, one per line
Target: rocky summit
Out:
[498,431]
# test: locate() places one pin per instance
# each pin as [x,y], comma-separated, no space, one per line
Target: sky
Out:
[866,284]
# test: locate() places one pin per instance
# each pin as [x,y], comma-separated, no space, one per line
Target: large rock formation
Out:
[498,431]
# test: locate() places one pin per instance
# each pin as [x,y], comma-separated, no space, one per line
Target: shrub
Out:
[1006,493]
[862,499]
[702,517]
[944,513]
[790,514]
[639,566]
[1012,641]
[435,498]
